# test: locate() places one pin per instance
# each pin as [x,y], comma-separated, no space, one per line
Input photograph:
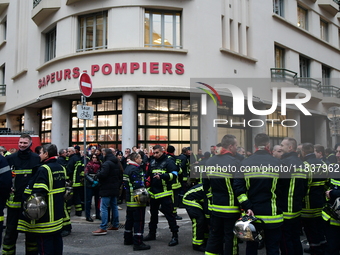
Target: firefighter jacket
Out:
[195,197]
[49,181]
[167,170]
[258,188]
[176,182]
[75,169]
[317,180]
[294,184]
[133,179]
[185,166]
[333,194]
[21,163]
[220,183]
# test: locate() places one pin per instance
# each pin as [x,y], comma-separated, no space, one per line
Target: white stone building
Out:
[144,55]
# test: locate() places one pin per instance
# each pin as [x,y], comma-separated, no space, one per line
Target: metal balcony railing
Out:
[330,91]
[3,90]
[35,3]
[283,75]
[309,83]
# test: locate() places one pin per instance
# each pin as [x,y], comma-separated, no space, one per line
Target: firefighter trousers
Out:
[290,242]
[134,225]
[200,227]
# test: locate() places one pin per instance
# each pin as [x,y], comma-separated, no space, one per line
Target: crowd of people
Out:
[290,188]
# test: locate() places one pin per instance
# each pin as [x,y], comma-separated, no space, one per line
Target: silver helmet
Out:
[245,230]
[334,210]
[141,195]
[68,190]
[35,207]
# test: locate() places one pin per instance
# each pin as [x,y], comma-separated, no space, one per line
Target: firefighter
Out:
[294,190]
[333,225]
[133,178]
[184,162]
[314,200]
[5,189]
[224,205]
[195,203]
[49,183]
[163,171]
[21,163]
[257,189]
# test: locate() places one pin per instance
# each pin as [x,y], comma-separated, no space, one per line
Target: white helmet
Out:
[141,195]
[246,231]
[35,207]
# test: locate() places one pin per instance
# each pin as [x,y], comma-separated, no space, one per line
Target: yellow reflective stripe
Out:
[311,213]
[209,195]
[320,183]
[13,204]
[225,209]
[171,176]
[77,184]
[28,191]
[241,198]
[230,192]
[325,216]
[298,175]
[158,171]
[2,218]
[46,227]
[311,210]
[192,203]
[219,174]
[161,194]
[271,219]
[261,175]
[135,204]
[273,199]
[185,178]
[210,253]
[56,191]
[290,195]
[40,186]
[335,182]
[334,222]
[23,171]
[291,215]
[176,185]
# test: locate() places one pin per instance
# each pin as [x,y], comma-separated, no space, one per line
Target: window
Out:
[164,121]
[304,67]
[279,57]
[162,29]
[324,30]
[326,75]
[51,39]
[3,30]
[302,18]
[93,32]
[278,7]
[275,129]
[46,125]
[106,126]
[2,81]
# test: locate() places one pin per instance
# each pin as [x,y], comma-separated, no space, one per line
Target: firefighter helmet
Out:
[141,195]
[245,230]
[35,207]
[68,190]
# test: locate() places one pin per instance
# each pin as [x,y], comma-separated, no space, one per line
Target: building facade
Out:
[145,57]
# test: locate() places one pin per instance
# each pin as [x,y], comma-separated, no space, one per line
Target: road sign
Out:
[84,112]
[85,84]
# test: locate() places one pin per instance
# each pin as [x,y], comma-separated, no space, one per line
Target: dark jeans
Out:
[90,192]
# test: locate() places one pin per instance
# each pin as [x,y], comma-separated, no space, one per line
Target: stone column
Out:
[129,120]
[32,120]
[60,134]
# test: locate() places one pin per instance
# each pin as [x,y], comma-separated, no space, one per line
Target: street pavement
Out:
[82,242]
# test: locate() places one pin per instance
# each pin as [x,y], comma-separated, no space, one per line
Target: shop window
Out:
[92,32]
[275,129]
[162,29]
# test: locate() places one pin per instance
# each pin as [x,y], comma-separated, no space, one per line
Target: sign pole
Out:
[83,100]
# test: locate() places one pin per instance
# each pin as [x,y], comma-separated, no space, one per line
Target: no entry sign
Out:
[85,84]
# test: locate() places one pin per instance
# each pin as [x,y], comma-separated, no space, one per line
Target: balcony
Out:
[3,5]
[331,6]
[2,94]
[69,2]
[43,9]
[331,96]
[283,76]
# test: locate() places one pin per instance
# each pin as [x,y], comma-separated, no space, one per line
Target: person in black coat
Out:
[110,177]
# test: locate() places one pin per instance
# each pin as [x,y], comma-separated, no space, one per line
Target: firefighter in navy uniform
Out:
[224,205]
[21,163]
[332,229]
[133,178]
[5,189]
[184,164]
[311,216]
[294,190]
[49,183]
[257,189]
[195,203]
[163,171]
